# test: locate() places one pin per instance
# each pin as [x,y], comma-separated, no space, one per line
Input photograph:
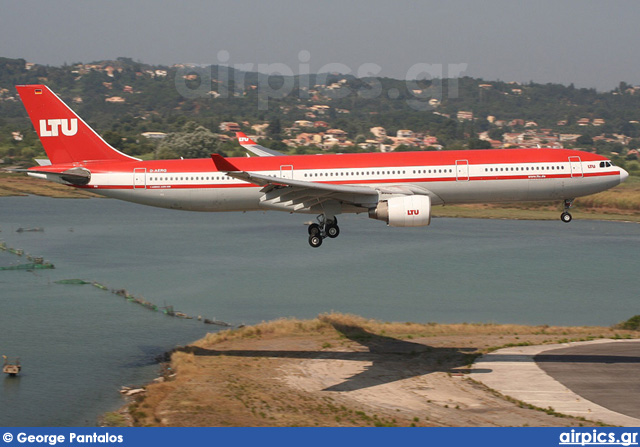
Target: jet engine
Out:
[406,211]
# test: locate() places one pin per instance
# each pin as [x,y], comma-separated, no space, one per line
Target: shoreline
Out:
[344,370]
[620,204]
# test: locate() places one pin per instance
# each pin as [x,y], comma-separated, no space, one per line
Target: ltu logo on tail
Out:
[49,128]
[244,139]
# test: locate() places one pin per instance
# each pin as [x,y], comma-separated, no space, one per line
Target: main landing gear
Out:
[566,216]
[326,227]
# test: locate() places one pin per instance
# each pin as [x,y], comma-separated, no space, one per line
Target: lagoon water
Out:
[79,344]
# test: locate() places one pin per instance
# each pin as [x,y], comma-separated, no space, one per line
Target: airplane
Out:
[397,188]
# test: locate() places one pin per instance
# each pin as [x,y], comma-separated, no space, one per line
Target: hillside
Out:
[124,99]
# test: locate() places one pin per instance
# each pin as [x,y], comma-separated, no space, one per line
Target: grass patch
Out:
[632,324]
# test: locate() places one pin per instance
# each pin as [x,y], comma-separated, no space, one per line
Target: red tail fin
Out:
[65,137]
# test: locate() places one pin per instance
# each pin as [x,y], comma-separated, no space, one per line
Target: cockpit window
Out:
[605,164]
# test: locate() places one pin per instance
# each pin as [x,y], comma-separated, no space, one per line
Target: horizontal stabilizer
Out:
[74,176]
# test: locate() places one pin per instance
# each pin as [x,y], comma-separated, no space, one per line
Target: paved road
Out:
[607,374]
[598,380]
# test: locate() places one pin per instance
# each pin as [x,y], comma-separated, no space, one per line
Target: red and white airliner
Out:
[397,188]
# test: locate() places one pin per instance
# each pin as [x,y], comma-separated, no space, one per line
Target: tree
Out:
[404,148]
[584,140]
[275,129]
[477,143]
[192,142]
[496,133]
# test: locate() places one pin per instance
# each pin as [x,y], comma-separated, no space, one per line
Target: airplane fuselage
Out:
[449,177]
[397,188]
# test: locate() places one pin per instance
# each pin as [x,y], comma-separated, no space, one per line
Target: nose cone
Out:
[623,175]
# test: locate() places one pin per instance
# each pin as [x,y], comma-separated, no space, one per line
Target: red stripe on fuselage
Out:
[359,181]
[349,161]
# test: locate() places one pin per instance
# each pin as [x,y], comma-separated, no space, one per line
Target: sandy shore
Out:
[342,370]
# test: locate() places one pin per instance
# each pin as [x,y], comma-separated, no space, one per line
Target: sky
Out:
[587,43]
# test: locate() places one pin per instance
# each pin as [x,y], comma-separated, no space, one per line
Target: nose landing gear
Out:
[566,216]
[326,227]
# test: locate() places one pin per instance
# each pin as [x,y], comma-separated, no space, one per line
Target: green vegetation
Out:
[114,419]
[632,324]
[145,98]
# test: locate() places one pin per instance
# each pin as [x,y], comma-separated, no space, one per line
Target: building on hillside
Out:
[569,137]
[584,122]
[154,135]
[260,128]
[430,140]
[378,132]
[229,126]
[320,109]
[337,134]
[307,139]
[464,115]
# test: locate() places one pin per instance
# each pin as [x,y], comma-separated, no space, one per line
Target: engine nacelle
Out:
[407,211]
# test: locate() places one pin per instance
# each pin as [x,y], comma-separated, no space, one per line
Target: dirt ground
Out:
[342,370]
[22,185]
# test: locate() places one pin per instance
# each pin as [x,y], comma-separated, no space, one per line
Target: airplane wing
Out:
[254,147]
[299,195]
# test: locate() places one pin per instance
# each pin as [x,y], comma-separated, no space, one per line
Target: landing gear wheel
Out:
[333,231]
[314,229]
[315,240]
[566,216]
